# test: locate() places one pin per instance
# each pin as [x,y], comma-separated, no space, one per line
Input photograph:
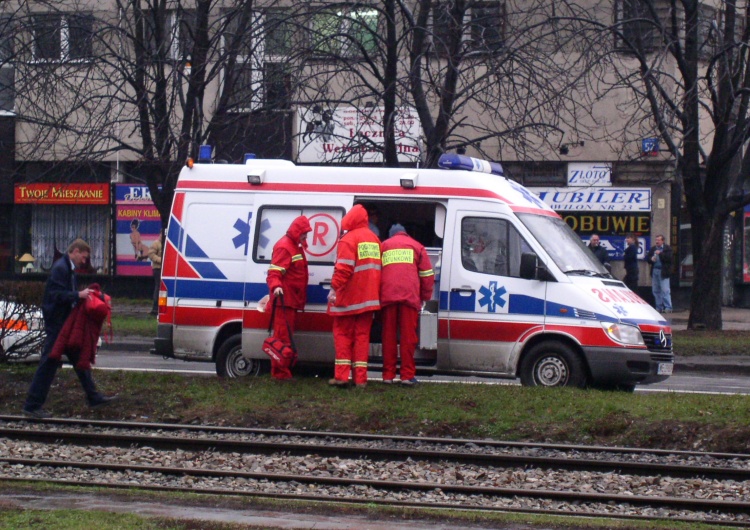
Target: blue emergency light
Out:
[249,156]
[205,153]
[468,163]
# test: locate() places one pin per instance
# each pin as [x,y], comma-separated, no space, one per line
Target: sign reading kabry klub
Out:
[61,193]
[347,134]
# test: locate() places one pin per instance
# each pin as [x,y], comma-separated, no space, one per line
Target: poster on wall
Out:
[746,246]
[138,225]
[347,134]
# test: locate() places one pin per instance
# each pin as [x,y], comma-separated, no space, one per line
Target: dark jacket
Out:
[601,253]
[667,260]
[631,261]
[60,295]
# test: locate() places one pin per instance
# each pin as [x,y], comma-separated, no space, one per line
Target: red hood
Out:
[298,227]
[356,218]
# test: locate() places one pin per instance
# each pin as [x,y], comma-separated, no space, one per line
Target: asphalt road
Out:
[693,382]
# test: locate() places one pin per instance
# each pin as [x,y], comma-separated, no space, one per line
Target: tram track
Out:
[342,461]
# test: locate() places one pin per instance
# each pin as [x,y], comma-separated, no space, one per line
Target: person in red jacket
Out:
[405,283]
[354,296]
[287,280]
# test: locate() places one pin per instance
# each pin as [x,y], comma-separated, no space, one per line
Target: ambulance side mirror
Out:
[532,268]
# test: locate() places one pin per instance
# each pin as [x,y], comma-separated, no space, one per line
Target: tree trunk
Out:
[705,300]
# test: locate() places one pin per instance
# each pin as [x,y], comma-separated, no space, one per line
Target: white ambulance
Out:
[517,294]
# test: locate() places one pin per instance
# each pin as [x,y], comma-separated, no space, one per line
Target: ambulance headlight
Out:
[624,333]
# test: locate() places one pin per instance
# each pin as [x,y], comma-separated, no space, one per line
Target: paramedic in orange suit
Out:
[406,282]
[354,296]
[287,276]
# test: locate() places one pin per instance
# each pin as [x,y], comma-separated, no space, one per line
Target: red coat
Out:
[407,276]
[288,268]
[356,274]
[79,336]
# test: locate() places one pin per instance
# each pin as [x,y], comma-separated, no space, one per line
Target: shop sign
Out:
[611,229]
[59,193]
[138,225]
[348,134]
[589,174]
[596,199]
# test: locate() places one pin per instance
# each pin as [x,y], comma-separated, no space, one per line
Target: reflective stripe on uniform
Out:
[347,362]
[360,364]
[367,266]
[345,261]
[354,307]
[425,274]
[276,268]
[398,255]
[296,257]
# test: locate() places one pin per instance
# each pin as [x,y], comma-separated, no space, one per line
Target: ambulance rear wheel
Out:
[552,364]
[230,361]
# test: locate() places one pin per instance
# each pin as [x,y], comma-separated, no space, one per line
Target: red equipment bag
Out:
[273,347]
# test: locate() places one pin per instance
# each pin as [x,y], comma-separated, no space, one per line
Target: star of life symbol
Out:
[620,310]
[492,297]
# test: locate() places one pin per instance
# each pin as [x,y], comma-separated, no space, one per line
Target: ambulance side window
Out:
[491,246]
[274,221]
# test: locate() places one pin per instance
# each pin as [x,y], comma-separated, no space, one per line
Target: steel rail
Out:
[369,437]
[378,502]
[693,504]
[328,448]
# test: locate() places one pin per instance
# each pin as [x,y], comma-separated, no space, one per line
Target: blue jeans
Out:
[45,374]
[662,293]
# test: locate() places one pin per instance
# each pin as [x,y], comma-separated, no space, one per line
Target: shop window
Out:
[63,37]
[53,228]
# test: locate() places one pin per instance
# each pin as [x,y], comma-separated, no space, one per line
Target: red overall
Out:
[406,281]
[288,270]
[356,284]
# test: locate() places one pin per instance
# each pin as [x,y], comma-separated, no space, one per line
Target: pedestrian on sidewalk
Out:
[154,254]
[406,282]
[631,262]
[60,297]
[661,257]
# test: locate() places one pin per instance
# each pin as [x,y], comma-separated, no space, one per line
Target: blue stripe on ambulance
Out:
[206,289]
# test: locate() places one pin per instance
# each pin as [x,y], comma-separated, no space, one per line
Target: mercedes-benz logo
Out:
[663,339]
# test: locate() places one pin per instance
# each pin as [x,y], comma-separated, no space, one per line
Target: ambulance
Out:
[517,294]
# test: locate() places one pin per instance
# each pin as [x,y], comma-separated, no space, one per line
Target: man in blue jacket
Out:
[60,296]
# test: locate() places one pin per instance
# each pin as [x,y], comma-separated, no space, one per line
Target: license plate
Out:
[664,369]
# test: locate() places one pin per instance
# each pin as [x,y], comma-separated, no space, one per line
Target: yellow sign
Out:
[368,251]
[398,255]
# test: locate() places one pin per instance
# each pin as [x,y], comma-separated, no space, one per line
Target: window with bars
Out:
[344,31]
[63,37]
[481,27]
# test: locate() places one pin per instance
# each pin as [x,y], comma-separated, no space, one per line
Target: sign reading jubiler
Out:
[44,193]
[596,199]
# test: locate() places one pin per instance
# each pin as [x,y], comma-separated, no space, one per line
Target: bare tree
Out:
[686,64]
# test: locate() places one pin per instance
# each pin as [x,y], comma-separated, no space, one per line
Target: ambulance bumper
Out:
[621,366]
[163,346]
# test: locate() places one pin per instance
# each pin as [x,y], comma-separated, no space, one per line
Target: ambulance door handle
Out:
[467,290]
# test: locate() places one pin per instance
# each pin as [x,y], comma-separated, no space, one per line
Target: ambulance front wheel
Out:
[231,363]
[552,364]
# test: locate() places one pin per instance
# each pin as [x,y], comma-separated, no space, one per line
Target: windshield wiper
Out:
[588,272]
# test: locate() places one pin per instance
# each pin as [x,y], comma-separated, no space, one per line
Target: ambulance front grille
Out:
[658,342]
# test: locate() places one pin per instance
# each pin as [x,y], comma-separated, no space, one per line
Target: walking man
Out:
[599,251]
[60,296]
[630,260]
[405,284]
[660,257]
[354,296]
[287,283]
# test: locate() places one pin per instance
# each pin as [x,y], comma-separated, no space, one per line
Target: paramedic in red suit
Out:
[354,296]
[405,283]
[287,276]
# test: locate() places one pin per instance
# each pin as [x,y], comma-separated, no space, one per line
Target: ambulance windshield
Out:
[563,245]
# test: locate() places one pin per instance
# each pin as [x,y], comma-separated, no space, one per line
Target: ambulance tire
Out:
[552,363]
[231,363]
